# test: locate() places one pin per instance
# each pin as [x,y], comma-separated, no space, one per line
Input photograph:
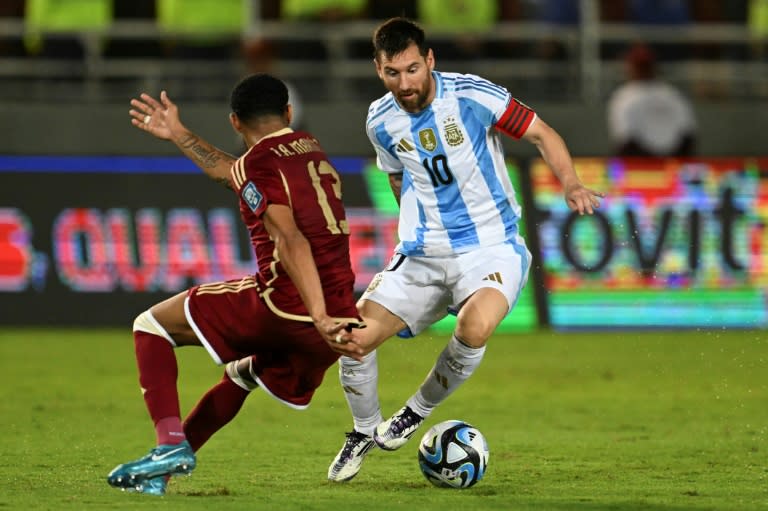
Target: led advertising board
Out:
[676,243]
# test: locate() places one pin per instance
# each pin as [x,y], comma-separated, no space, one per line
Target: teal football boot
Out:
[154,486]
[167,459]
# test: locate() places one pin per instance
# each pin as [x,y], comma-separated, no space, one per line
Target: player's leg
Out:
[486,285]
[215,409]
[286,358]
[480,315]
[407,295]
[158,370]
[156,333]
[220,404]
[226,317]
[359,381]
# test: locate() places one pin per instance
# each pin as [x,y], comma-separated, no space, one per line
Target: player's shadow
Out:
[219,491]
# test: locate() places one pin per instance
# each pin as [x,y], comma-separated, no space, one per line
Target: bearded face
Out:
[408,76]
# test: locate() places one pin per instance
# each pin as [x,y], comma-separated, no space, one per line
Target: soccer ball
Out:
[453,454]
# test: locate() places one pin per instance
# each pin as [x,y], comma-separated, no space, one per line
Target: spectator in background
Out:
[647,116]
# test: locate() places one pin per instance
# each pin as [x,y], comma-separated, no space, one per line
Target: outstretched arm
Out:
[555,153]
[161,119]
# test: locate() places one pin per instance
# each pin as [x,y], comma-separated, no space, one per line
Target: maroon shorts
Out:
[232,321]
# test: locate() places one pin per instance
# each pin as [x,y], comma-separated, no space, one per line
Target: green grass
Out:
[588,421]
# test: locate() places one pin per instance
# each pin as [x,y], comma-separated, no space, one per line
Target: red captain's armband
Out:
[515,119]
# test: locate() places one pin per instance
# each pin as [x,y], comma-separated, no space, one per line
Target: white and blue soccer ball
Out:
[453,454]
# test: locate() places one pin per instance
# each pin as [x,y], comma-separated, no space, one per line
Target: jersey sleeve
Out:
[259,184]
[384,146]
[494,105]
[487,99]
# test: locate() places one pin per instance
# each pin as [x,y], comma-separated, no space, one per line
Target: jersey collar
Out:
[274,134]
[438,84]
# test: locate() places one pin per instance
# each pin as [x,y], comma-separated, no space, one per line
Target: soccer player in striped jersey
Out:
[272,328]
[438,137]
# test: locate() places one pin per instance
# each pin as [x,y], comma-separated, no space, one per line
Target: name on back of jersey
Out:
[298,146]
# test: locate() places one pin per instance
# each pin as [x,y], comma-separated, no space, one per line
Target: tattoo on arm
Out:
[205,155]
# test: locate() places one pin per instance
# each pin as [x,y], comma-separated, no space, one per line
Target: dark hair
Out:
[395,35]
[258,95]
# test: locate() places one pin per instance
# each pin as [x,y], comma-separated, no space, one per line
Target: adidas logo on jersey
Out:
[496,277]
[404,146]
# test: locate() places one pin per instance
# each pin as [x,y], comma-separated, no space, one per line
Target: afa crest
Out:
[453,134]
[428,139]
[374,283]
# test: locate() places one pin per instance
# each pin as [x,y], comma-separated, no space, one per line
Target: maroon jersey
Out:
[290,168]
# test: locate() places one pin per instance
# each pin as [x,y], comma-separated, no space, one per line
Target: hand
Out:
[159,118]
[338,334]
[582,199]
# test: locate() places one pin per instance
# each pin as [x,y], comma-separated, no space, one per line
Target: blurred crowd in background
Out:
[212,20]
[271,35]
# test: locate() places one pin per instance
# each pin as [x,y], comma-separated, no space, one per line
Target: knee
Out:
[242,374]
[475,331]
[480,316]
[146,322]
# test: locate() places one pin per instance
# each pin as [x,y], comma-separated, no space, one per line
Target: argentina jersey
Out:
[456,194]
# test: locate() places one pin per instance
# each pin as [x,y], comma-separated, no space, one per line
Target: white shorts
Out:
[420,290]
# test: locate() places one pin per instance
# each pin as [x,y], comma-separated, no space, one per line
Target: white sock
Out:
[455,364]
[359,380]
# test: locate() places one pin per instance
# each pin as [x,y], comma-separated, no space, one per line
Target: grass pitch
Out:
[575,422]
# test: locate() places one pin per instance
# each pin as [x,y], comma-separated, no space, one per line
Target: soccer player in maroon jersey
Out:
[271,329]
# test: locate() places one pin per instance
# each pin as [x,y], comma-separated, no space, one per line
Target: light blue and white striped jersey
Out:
[456,194]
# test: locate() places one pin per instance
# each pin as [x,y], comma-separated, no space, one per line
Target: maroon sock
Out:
[157,376]
[214,410]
